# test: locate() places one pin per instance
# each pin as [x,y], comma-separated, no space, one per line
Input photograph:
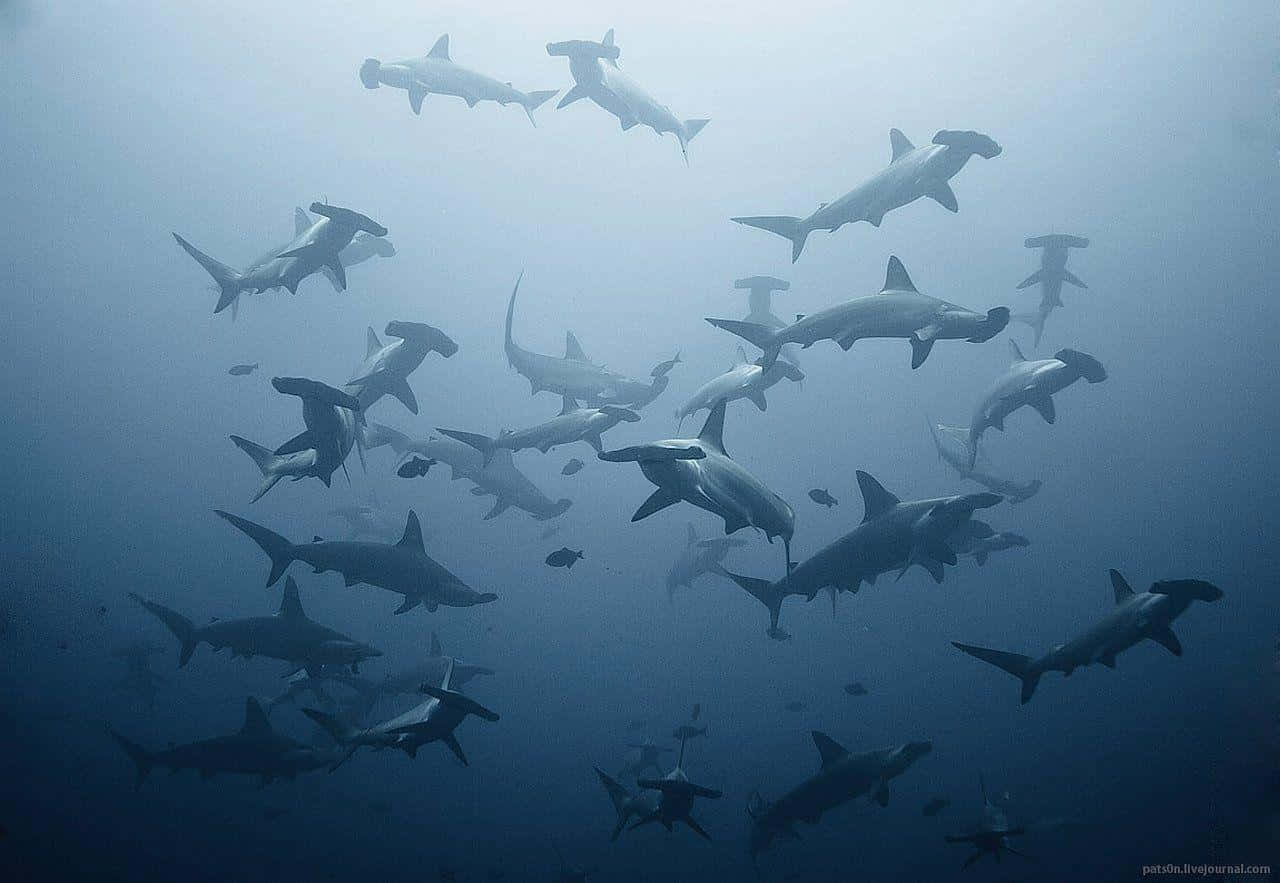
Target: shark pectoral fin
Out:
[410,602]
[303,441]
[944,196]
[577,93]
[334,264]
[627,122]
[658,500]
[1068,276]
[400,389]
[333,279]
[1035,277]
[471,100]
[1167,639]
[498,508]
[1109,660]
[882,793]
[595,441]
[758,399]
[696,828]
[846,342]
[920,348]
[417,92]
[734,523]
[1044,407]
[980,556]
[452,741]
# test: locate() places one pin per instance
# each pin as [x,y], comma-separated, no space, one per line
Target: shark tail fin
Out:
[455,700]
[141,757]
[228,279]
[481,443]
[1014,663]
[331,724]
[758,335]
[688,129]
[267,462]
[278,549]
[534,100]
[786,226]
[183,629]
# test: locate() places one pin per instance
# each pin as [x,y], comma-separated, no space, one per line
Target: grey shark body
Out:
[893,535]
[403,568]
[575,376]
[332,417]
[386,367]
[256,749]
[436,74]
[643,756]
[992,835]
[912,172]
[982,545]
[625,803]
[842,777]
[1052,273]
[676,794]
[956,455]
[701,472]
[1029,383]
[698,558]
[898,311]
[311,251]
[368,520]
[745,380]
[431,721]
[289,636]
[1136,617]
[574,423]
[363,247]
[594,67]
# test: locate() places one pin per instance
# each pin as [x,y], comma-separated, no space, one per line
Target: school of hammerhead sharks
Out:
[893,536]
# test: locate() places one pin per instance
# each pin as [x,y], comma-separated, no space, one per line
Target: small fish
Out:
[572,467]
[795,706]
[416,467]
[855,689]
[550,532]
[564,557]
[242,370]
[935,806]
[102,609]
[822,498]
[663,368]
[688,732]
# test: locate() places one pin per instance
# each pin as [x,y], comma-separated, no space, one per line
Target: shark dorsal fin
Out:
[255,720]
[608,38]
[742,357]
[875,499]
[830,750]
[1016,352]
[567,404]
[692,534]
[712,435]
[441,49]
[301,220]
[1123,590]
[573,349]
[900,143]
[371,342]
[896,278]
[436,648]
[290,605]
[412,538]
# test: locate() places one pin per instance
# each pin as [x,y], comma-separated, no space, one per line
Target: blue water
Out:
[1148,128]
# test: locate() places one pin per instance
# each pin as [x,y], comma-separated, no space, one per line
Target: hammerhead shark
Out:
[255,750]
[675,799]
[575,376]
[899,311]
[626,804]
[432,721]
[574,423]
[386,368]
[957,457]
[363,246]
[594,67]
[993,833]
[289,635]
[436,74]
[745,380]
[1137,616]
[698,557]
[431,671]
[1052,273]
[701,472]
[842,777]
[332,417]
[311,251]
[404,568]
[913,172]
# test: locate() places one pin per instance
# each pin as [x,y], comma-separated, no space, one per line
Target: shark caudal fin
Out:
[1014,663]
[786,226]
[338,730]
[688,129]
[619,796]
[278,549]
[142,759]
[458,702]
[534,100]
[228,279]
[758,335]
[183,629]
[481,443]
[267,461]
[1035,320]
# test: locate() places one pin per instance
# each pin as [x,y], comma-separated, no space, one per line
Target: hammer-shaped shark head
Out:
[1083,364]
[426,335]
[970,142]
[315,390]
[605,49]
[369,73]
[381,247]
[348,218]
